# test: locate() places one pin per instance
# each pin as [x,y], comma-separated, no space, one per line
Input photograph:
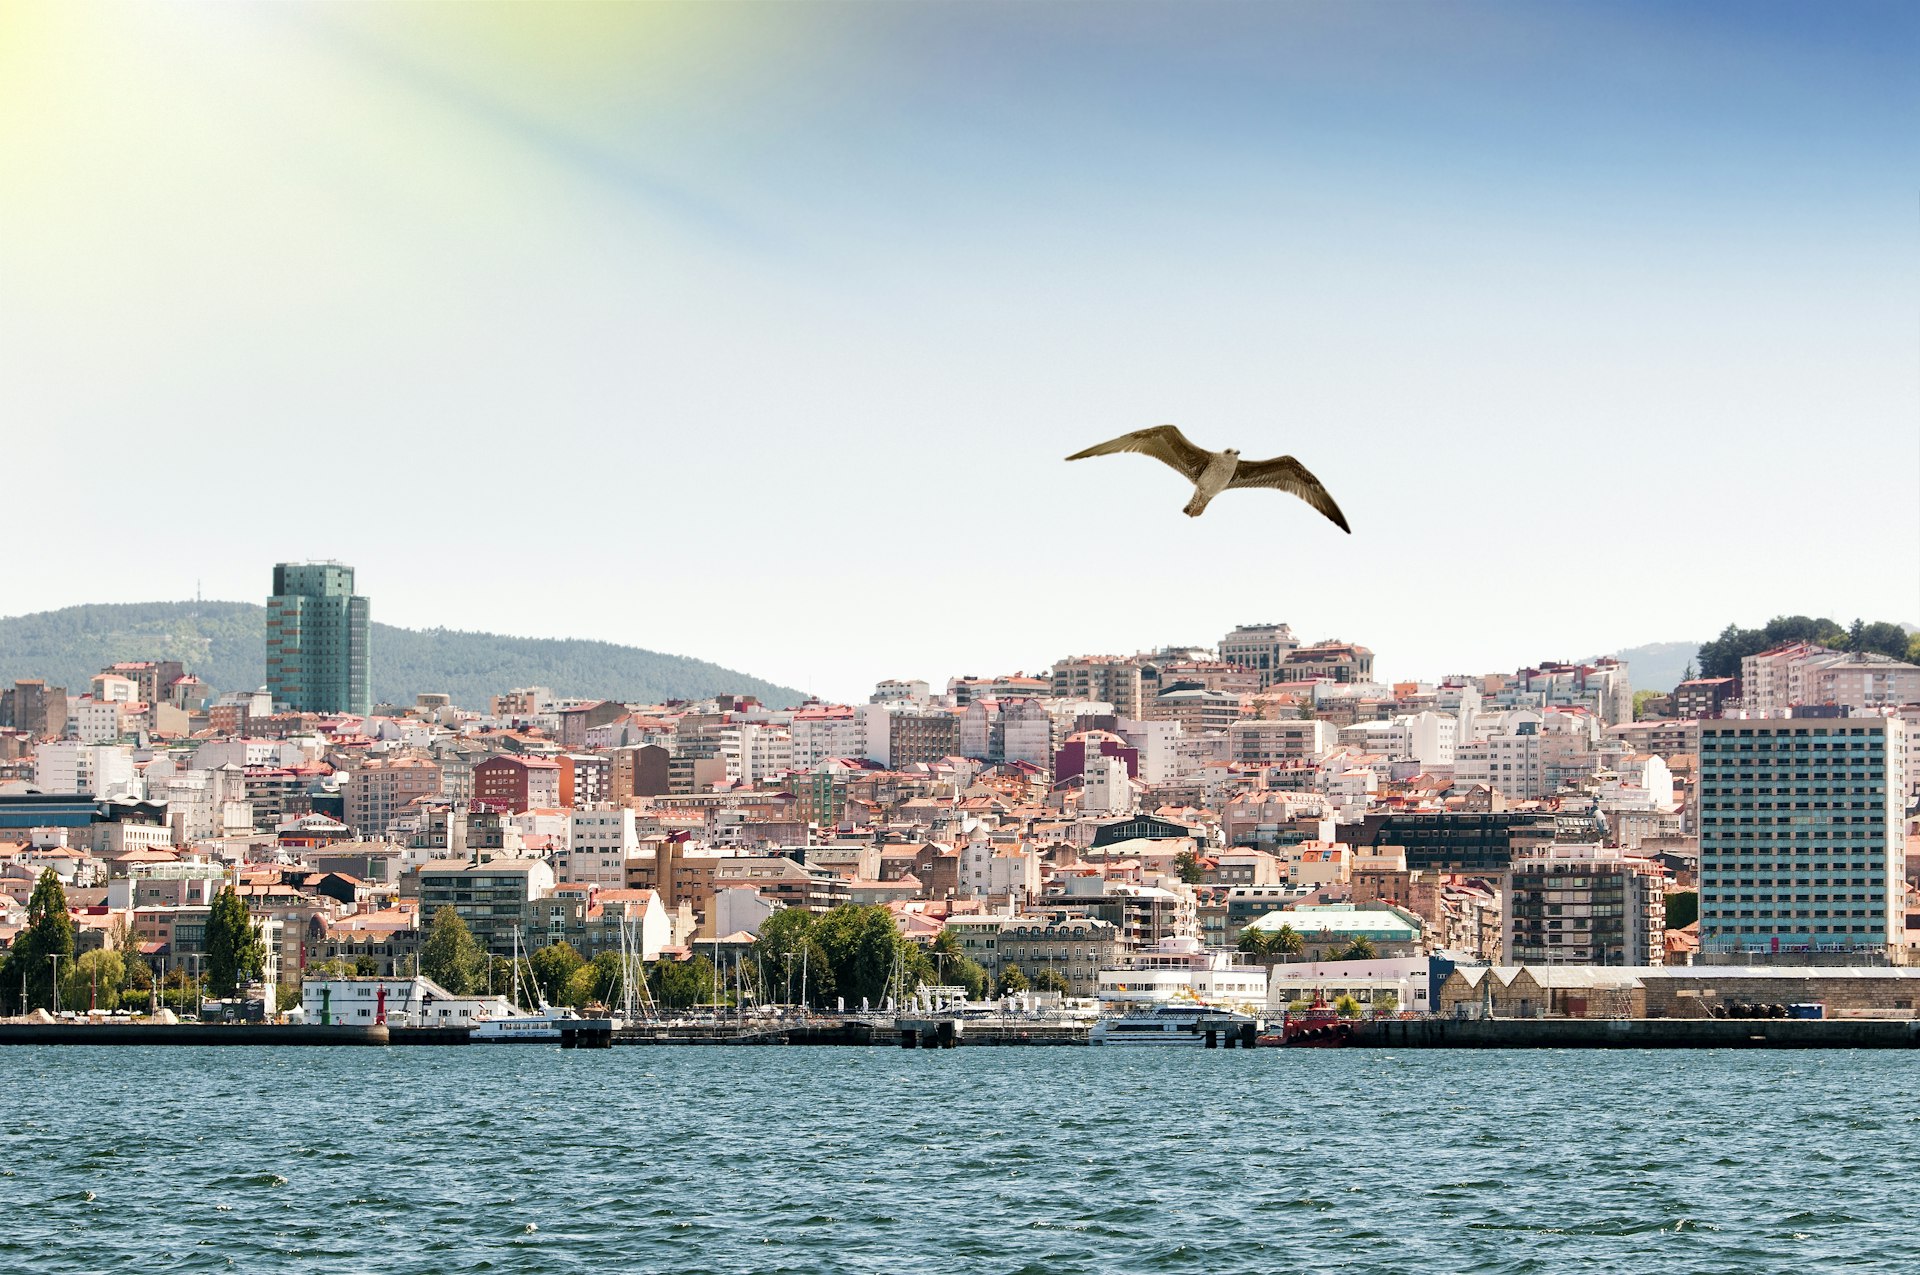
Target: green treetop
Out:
[450,955]
[235,953]
[48,933]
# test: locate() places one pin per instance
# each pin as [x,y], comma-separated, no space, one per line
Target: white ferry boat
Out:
[544,1026]
[1186,1023]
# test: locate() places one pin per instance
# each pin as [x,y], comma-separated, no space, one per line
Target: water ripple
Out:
[1001,1161]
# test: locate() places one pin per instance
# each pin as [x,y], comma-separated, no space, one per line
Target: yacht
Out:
[1179,1023]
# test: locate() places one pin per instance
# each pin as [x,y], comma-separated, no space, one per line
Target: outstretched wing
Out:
[1284,473]
[1165,443]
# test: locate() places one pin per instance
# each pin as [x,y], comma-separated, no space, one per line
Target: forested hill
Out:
[223,643]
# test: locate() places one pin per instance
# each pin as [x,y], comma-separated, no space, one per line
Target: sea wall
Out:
[1637,1033]
[187,1034]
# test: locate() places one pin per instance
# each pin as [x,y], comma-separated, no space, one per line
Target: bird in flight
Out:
[1214,472]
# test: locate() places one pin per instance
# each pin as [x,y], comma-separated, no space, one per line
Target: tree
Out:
[93,982]
[1347,1007]
[1284,942]
[1051,980]
[956,969]
[235,954]
[789,950]
[1683,908]
[865,949]
[1360,948]
[553,968]
[1012,979]
[678,984]
[1881,638]
[450,955]
[1187,865]
[135,973]
[48,933]
[609,978]
[1721,657]
[582,987]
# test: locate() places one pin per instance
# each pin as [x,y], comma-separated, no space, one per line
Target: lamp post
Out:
[55,958]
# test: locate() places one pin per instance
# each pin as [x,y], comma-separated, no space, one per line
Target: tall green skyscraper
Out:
[317,626]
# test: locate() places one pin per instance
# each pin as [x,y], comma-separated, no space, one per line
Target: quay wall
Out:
[1637,1033]
[188,1034]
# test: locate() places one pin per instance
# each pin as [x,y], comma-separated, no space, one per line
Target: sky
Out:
[760,332]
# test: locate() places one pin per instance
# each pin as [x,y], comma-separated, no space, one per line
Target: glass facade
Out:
[1799,834]
[317,628]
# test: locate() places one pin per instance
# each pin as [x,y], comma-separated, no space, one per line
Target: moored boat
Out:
[1181,1023]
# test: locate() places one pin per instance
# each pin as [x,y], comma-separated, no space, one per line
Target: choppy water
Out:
[983,1160]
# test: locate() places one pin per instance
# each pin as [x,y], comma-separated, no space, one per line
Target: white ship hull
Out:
[1176,1026]
[537,1029]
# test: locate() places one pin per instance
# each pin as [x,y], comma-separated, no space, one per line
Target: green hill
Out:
[224,644]
[1658,666]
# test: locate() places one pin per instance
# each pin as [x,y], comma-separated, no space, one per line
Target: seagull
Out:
[1214,472]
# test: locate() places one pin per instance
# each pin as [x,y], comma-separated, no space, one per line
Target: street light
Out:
[55,958]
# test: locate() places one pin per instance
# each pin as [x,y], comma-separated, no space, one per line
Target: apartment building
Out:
[1570,904]
[1801,833]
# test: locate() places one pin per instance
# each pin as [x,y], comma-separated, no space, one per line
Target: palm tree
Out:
[1360,949]
[1254,942]
[1286,942]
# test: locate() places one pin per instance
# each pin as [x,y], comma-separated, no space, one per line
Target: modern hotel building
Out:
[1801,841]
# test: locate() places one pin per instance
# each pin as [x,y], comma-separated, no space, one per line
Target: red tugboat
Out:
[1317,1026]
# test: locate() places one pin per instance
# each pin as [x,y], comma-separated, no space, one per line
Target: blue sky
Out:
[630,321]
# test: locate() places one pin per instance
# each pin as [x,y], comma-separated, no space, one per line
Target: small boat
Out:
[1185,1023]
[1319,1025]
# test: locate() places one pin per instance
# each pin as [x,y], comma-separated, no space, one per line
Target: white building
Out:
[96,770]
[1266,742]
[818,732]
[600,840]
[754,752]
[398,1002]
[1106,788]
[908,691]
[1157,743]
[1401,982]
[1026,729]
[739,909]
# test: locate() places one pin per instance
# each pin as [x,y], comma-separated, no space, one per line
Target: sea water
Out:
[534,1159]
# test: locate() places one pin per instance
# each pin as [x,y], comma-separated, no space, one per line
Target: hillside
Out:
[224,644]
[1658,666]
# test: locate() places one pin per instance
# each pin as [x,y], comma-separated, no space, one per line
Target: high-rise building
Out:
[1801,841]
[317,658]
[1571,904]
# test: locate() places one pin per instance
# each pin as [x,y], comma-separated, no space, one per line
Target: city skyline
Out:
[1564,300]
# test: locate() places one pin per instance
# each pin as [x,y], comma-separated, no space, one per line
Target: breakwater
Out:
[1637,1033]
